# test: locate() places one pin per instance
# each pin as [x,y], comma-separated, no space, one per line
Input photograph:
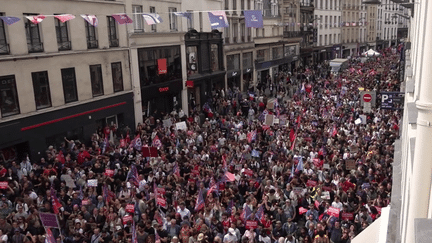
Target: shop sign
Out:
[190,83]
[163,89]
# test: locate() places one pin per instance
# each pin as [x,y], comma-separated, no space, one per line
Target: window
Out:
[138,23]
[69,85]
[8,96]
[247,60]
[242,6]
[274,8]
[259,5]
[233,62]
[192,59]
[41,90]
[263,55]
[234,7]
[227,35]
[34,43]
[4,47]
[153,26]
[226,5]
[235,32]
[201,21]
[172,19]
[62,33]
[190,20]
[112,32]
[214,52]
[149,64]
[242,32]
[96,80]
[277,52]
[92,41]
[117,77]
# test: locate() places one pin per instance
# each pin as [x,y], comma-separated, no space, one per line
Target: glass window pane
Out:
[214,57]
[69,85]
[8,96]
[96,80]
[192,59]
[41,89]
[117,76]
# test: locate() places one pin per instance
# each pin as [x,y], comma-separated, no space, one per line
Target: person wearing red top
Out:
[83,154]
[226,222]
[267,224]
[346,185]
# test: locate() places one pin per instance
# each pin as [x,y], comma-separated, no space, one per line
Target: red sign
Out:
[378,209]
[85,202]
[130,208]
[333,211]
[161,201]
[163,89]
[109,172]
[302,210]
[347,216]
[327,188]
[190,83]
[162,66]
[127,218]
[161,190]
[251,224]
[367,98]
[4,185]
[311,183]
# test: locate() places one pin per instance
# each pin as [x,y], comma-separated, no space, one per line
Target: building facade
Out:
[328,19]
[61,79]
[308,33]
[352,31]
[387,24]
[371,26]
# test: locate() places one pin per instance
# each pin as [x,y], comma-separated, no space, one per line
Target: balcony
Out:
[113,42]
[92,43]
[292,34]
[64,46]
[4,49]
[35,47]
[268,13]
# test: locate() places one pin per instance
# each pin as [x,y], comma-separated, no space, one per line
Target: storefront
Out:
[336,51]
[290,51]
[160,78]
[204,56]
[32,134]
[306,55]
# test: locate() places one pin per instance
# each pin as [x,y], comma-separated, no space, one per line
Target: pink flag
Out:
[91,19]
[230,176]
[122,18]
[65,17]
[36,19]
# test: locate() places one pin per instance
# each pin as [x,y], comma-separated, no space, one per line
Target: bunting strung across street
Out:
[36,19]
[9,20]
[64,17]
[218,19]
[152,18]
[254,19]
[91,19]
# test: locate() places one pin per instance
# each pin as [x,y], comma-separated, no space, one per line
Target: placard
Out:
[167,123]
[92,183]
[161,190]
[109,172]
[302,210]
[251,224]
[333,211]
[326,166]
[311,183]
[69,181]
[49,220]
[363,119]
[4,185]
[269,120]
[161,201]
[85,202]
[122,143]
[181,126]
[327,188]
[325,195]
[298,190]
[127,218]
[350,164]
[347,216]
[317,204]
[130,208]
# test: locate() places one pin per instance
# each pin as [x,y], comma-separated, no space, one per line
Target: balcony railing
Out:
[4,49]
[92,44]
[113,42]
[35,47]
[64,46]
[268,13]
[292,34]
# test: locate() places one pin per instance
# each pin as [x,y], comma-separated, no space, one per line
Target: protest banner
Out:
[92,183]
[109,172]
[127,218]
[251,224]
[350,164]
[347,216]
[69,181]
[302,210]
[130,208]
[181,126]
[269,120]
[167,123]
[49,220]
[4,185]
[161,201]
[311,183]
[333,211]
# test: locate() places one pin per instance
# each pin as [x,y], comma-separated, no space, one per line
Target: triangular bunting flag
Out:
[65,17]
[91,19]
[36,19]
[9,20]
[152,18]
[122,18]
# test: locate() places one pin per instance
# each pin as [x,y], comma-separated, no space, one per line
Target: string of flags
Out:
[217,18]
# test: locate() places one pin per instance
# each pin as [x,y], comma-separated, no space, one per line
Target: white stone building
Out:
[328,23]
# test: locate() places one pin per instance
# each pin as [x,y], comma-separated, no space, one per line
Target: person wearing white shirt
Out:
[230,237]
[183,211]
[337,203]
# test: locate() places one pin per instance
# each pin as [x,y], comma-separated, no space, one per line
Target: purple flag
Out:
[122,18]
[218,19]
[199,204]
[253,18]
[260,213]
[9,20]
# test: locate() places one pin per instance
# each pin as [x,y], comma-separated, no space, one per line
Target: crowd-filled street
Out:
[289,161]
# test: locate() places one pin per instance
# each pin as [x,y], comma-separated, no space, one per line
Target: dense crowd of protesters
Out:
[316,173]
